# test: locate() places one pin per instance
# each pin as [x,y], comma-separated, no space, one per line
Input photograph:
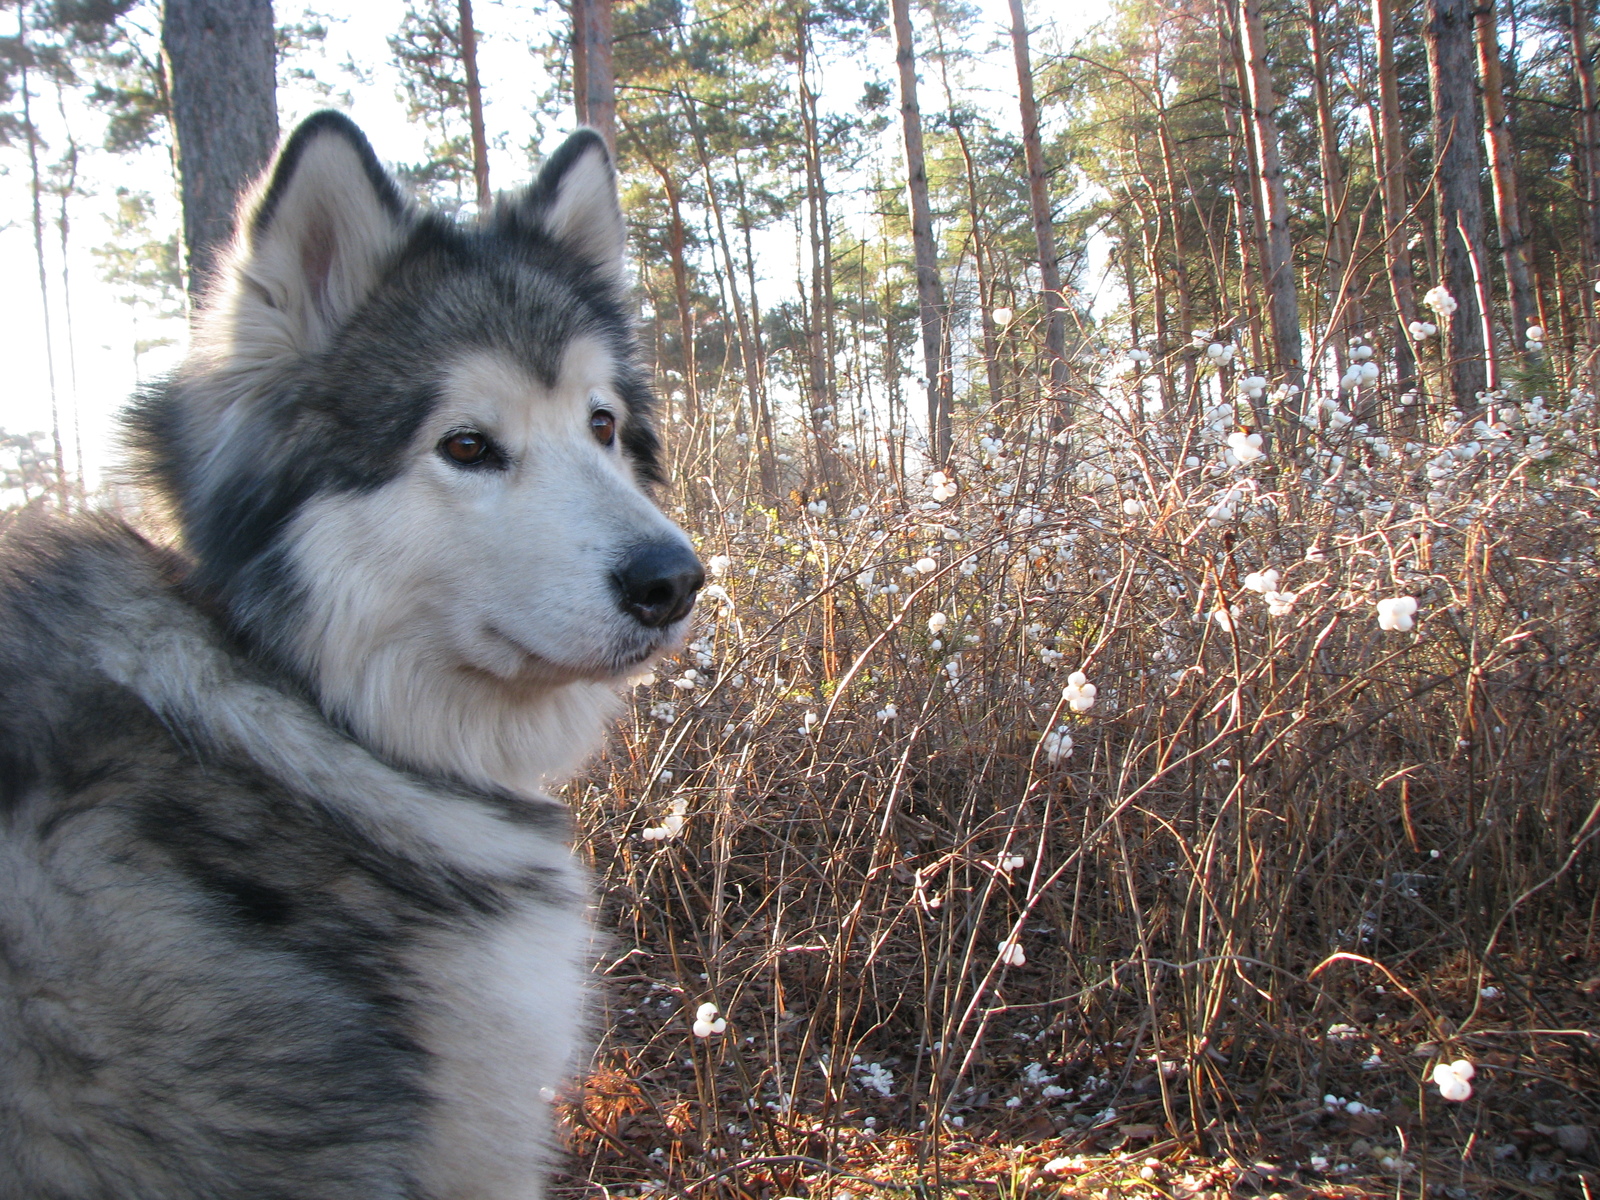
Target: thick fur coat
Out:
[284,908]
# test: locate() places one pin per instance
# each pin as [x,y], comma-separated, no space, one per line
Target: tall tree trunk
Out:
[591,28]
[764,432]
[36,195]
[1150,250]
[1277,267]
[930,291]
[894,436]
[1503,173]
[1335,211]
[819,335]
[1389,151]
[480,142]
[68,188]
[1248,218]
[980,248]
[982,266]
[1587,160]
[677,241]
[580,62]
[220,58]
[1054,298]
[1180,261]
[749,361]
[1447,32]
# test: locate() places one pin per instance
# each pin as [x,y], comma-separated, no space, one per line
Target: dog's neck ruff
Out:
[459,724]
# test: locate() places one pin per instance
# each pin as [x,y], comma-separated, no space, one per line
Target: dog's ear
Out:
[319,234]
[574,202]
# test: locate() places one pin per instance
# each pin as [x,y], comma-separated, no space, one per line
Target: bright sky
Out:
[93,381]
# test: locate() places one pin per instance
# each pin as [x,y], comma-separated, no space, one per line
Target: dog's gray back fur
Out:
[250,945]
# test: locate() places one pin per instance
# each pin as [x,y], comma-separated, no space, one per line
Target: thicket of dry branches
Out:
[1291,860]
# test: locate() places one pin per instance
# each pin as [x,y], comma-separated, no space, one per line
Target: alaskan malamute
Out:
[284,908]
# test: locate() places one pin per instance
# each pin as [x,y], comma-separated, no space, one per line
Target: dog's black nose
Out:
[657,581]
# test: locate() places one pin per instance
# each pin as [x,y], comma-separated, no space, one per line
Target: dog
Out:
[286,910]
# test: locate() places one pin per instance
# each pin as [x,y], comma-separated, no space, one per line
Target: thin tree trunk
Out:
[677,240]
[580,62]
[1150,248]
[826,303]
[1389,151]
[764,431]
[480,142]
[1587,160]
[980,249]
[818,339]
[895,434]
[813,184]
[69,188]
[1053,298]
[1447,32]
[36,194]
[980,262]
[221,77]
[1248,218]
[930,291]
[1278,266]
[1180,261]
[591,21]
[747,352]
[1336,217]
[1503,174]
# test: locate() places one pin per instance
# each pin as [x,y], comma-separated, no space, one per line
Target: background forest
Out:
[1141,732]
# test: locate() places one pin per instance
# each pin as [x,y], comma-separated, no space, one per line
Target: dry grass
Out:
[1288,857]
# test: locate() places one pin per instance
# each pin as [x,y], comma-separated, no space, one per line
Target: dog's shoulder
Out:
[70,590]
[59,575]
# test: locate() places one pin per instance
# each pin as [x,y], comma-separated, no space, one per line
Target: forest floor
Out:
[1532,1128]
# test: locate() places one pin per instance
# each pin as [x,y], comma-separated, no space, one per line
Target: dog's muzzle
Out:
[657,581]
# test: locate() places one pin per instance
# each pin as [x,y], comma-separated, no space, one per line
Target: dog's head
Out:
[414,458]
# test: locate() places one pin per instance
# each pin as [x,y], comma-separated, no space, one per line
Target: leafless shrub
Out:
[904,868]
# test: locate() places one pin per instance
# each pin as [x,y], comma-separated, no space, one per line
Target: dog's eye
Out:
[604,426]
[468,448]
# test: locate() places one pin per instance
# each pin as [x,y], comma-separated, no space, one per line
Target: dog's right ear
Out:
[316,241]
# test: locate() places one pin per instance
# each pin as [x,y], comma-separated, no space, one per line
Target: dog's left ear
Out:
[574,202]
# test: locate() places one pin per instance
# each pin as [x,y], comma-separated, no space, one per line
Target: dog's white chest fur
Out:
[501,1026]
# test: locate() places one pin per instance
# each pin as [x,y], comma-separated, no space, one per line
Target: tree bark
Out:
[1503,173]
[930,291]
[1054,299]
[677,243]
[1277,266]
[817,375]
[766,437]
[36,193]
[580,63]
[1165,343]
[480,141]
[220,58]
[1248,218]
[1344,312]
[596,102]
[1389,151]
[749,359]
[981,253]
[1588,157]
[1447,32]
